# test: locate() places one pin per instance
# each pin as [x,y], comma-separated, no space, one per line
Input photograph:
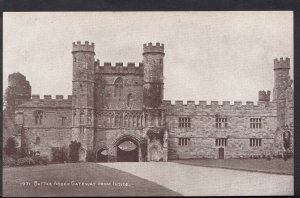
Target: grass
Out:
[276,166]
[14,177]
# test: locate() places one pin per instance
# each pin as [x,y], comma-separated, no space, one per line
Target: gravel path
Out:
[202,181]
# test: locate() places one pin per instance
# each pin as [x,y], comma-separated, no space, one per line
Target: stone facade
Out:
[111,105]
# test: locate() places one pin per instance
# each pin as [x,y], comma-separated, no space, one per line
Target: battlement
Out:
[119,68]
[282,64]
[37,97]
[86,47]
[48,102]
[215,104]
[150,48]
[264,96]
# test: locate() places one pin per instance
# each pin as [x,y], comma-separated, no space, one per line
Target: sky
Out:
[219,56]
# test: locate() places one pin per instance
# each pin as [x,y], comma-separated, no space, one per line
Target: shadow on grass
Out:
[77,179]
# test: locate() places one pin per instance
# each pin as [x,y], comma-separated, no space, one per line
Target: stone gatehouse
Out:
[118,112]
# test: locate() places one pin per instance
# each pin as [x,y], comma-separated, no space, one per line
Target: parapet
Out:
[49,97]
[226,103]
[249,103]
[237,103]
[282,64]
[178,102]
[86,47]
[158,48]
[215,104]
[59,97]
[35,97]
[48,101]
[264,96]
[191,103]
[119,68]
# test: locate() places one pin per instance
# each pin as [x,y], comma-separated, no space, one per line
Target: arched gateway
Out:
[102,155]
[128,149]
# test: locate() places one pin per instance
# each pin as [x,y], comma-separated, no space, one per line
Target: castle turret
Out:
[282,82]
[264,96]
[153,74]
[18,91]
[83,94]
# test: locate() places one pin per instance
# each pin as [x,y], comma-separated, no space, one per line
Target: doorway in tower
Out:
[286,140]
[102,155]
[128,151]
[221,153]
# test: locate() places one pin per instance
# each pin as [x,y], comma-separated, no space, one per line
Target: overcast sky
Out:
[209,55]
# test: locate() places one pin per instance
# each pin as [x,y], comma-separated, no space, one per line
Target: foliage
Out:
[25,161]
[15,160]
[74,151]
[59,154]
[11,146]
[9,161]
[91,156]
[39,160]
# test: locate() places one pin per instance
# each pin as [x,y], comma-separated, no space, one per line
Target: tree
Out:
[74,151]
[11,146]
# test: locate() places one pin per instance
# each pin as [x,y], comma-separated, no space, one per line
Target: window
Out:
[37,140]
[129,97]
[255,123]
[221,142]
[81,118]
[184,122]
[38,117]
[221,122]
[74,59]
[81,129]
[255,141]
[183,141]
[118,87]
[63,121]
[286,139]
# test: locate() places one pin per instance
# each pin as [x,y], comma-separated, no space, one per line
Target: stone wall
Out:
[115,91]
[203,131]
[54,130]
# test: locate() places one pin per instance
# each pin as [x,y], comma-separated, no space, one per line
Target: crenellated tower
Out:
[153,56]
[83,94]
[282,87]
[264,96]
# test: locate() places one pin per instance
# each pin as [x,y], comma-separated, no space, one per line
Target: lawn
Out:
[276,166]
[77,179]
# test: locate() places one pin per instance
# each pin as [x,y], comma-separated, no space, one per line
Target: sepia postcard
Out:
[148,103]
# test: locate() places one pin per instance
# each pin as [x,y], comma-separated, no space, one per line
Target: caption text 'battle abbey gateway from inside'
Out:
[119,113]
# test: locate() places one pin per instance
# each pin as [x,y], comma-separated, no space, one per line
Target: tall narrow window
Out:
[37,140]
[63,121]
[118,87]
[81,118]
[38,117]
[129,97]
[286,139]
